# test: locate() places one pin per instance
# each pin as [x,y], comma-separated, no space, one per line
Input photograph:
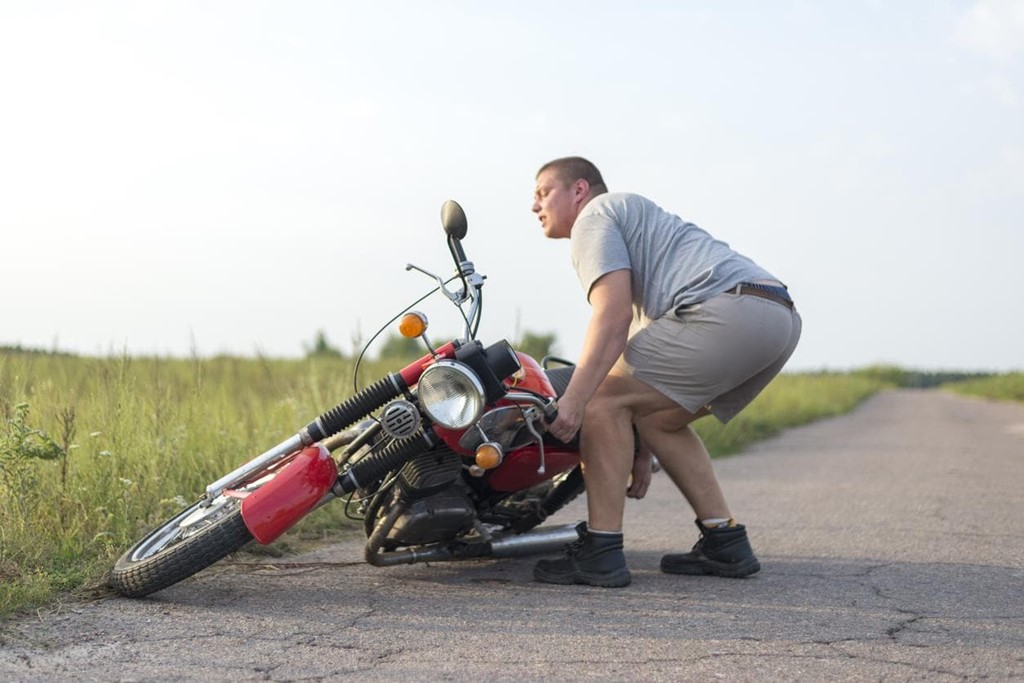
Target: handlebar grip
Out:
[551,412]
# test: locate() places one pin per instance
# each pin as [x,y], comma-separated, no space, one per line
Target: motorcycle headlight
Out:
[451,394]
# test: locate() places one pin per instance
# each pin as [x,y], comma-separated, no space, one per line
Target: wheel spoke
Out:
[188,522]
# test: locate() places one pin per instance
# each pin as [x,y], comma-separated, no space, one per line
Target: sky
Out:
[197,178]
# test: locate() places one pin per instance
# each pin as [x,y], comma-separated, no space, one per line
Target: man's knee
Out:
[610,401]
[669,420]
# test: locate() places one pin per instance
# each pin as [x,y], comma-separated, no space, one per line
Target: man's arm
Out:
[611,301]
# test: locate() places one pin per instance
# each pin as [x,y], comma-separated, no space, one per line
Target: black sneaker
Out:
[594,560]
[723,551]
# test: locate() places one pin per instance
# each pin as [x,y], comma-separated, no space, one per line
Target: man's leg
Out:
[722,550]
[685,459]
[606,444]
[607,453]
[606,447]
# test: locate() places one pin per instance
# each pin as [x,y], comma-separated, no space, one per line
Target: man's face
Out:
[554,202]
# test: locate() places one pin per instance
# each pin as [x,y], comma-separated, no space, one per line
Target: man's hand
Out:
[640,478]
[570,417]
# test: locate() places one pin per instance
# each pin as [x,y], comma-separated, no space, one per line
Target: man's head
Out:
[564,186]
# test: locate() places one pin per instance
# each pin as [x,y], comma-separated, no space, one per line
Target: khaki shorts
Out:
[719,353]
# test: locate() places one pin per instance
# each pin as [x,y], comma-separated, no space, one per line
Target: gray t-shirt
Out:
[673,263]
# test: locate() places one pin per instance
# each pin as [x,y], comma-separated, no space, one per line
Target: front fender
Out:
[275,507]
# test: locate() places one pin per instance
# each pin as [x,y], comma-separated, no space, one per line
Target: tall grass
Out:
[93,451]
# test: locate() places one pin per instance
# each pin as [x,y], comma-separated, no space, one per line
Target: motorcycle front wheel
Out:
[189,542]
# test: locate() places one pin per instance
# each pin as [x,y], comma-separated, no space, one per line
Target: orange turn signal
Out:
[489,455]
[412,325]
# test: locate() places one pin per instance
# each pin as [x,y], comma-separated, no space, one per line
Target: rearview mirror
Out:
[453,219]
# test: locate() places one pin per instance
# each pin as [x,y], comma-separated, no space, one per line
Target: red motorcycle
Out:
[447,458]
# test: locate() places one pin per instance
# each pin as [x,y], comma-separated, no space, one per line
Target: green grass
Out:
[93,451]
[1007,387]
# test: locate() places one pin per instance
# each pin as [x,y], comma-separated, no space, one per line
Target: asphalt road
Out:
[891,539]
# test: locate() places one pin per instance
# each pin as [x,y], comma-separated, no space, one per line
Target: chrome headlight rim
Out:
[452,373]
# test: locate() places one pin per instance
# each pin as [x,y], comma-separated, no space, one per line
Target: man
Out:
[710,329]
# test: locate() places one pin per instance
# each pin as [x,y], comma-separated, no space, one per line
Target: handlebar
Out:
[548,407]
[472,283]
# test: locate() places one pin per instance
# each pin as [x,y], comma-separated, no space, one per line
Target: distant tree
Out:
[397,347]
[917,379]
[536,345]
[320,347]
[19,349]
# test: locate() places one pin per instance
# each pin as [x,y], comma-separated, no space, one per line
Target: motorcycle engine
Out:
[429,473]
[436,506]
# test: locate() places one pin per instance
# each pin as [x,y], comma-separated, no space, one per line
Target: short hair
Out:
[571,169]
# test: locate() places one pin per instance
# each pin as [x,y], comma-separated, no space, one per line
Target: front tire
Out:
[188,543]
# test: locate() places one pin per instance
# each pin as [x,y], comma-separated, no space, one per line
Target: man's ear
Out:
[580,188]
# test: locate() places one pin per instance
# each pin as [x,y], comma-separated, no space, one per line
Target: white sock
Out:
[715,522]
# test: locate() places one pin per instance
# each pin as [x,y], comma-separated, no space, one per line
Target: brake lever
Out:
[540,445]
[454,297]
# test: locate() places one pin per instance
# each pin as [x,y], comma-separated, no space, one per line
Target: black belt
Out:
[779,295]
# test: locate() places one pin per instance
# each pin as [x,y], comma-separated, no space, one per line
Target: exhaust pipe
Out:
[540,540]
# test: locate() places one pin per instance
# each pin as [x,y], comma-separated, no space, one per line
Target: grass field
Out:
[93,451]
